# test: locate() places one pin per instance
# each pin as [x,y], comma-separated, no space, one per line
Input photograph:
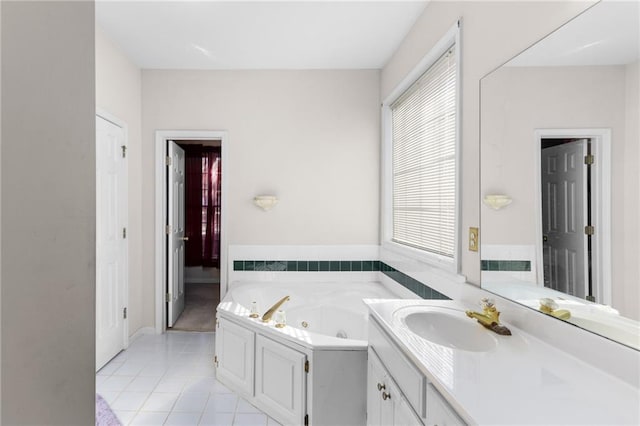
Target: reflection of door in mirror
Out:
[565,216]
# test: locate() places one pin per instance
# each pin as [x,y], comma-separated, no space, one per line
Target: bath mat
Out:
[104,415]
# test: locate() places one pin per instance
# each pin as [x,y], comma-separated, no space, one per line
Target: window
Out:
[422,128]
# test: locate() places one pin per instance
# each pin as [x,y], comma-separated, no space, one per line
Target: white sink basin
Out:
[447,327]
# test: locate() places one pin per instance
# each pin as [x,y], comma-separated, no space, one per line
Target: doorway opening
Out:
[199,232]
[573,209]
[191,249]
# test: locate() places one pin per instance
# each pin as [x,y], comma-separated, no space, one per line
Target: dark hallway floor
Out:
[199,308]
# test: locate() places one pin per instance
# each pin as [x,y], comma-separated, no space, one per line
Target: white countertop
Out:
[522,380]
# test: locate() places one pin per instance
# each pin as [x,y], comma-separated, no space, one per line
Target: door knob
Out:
[381,386]
[386,395]
[184,238]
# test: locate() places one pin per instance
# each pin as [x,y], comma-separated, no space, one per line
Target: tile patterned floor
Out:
[169,379]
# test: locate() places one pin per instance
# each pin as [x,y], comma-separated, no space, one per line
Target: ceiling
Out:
[347,34]
[606,34]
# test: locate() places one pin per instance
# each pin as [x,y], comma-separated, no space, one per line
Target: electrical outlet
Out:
[474,241]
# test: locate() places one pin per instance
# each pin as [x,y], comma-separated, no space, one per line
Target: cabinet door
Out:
[439,412]
[281,382]
[235,354]
[376,377]
[403,414]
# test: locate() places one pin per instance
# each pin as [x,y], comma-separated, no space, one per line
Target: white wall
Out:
[48,213]
[119,93]
[628,299]
[492,32]
[517,100]
[310,137]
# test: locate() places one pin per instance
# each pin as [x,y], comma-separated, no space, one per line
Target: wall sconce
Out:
[497,201]
[265,202]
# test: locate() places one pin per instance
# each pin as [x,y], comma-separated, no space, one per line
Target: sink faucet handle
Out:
[487,303]
[548,304]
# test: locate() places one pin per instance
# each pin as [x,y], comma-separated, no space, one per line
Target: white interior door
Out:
[111,245]
[176,238]
[564,197]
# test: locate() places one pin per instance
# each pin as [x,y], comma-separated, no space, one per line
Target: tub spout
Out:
[267,315]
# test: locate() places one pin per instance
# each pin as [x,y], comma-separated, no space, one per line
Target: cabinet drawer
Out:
[409,379]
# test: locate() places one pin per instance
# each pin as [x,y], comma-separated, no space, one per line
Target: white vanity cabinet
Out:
[235,347]
[405,396]
[385,403]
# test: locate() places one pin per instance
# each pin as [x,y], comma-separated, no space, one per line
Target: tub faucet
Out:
[489,317]
[267,315]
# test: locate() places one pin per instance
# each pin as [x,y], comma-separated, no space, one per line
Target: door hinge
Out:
[589,159]
[124,151]
[306,366]
[124,232]
[167,229]
[215,360]
[306,420]
[589,230]
[167,160]
[167,297]
[124,313]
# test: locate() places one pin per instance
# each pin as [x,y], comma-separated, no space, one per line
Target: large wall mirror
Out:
[560,174]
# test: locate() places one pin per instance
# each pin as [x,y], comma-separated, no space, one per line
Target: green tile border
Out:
[405,280]
[506,265]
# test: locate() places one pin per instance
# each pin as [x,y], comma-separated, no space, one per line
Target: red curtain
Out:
[202,199]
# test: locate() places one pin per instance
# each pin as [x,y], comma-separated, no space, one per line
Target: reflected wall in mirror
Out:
[560,139]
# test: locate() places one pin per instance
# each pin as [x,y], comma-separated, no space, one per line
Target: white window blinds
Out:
[424,157]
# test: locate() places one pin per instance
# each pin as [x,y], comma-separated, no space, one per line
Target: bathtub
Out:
[312,371]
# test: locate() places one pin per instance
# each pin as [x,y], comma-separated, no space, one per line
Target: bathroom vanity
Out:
[457,372]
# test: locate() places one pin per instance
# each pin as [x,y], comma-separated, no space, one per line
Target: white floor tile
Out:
[160,401]
[221,403]
[220,388]
[200,384]
[109,396]
[130,401]
[183,419]
[129,368]
[114,383]
[245,407]
[140,384]
[109,368]
[271,422]
[125,417]
[149,418]
[171,384]
[191,402]
[170,378]
[250,419]
[216,419]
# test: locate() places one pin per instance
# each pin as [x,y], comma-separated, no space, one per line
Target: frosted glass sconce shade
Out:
[497,201]
[265,202]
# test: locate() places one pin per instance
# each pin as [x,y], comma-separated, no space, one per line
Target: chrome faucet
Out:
[267,315]
[489,317]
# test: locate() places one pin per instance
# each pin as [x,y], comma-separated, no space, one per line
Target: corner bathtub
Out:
[313,371]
